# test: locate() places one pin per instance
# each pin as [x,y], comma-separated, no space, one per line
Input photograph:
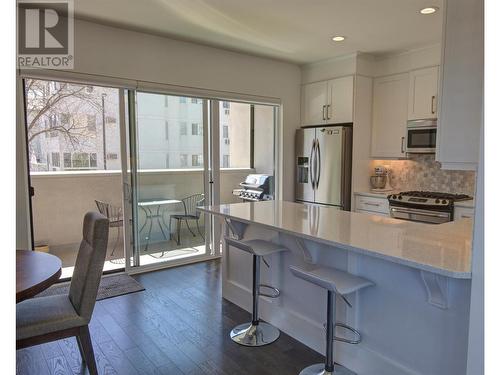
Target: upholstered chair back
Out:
[89,264]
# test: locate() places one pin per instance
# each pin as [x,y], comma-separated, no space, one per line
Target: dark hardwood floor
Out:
[179,325]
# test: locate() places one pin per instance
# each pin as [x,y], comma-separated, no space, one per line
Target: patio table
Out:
[152,210]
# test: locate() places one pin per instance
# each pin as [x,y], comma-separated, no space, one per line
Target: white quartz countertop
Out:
[444,249]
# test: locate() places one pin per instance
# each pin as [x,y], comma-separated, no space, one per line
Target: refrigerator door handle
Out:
[315,164]
[318,158]
[311,163]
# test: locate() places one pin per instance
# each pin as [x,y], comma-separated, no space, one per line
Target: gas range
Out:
[424,206]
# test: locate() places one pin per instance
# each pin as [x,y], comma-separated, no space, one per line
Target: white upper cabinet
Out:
[461,98]
[340,100]
[314,99]
[390,112]
[328,102]
[422,99]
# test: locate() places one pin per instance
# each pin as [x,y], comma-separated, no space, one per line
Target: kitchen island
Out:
[413,321]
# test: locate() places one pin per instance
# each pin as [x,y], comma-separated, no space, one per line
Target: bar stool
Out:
[256,333]
[339,282]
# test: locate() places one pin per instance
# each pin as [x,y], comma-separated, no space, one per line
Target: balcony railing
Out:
[62,198]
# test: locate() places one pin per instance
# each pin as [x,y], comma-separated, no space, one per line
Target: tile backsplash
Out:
[422,172]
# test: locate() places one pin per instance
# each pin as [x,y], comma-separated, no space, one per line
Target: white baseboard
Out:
[357,358]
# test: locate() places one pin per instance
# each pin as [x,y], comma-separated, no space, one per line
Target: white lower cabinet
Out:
[379,205]
[372,205]
[463,213]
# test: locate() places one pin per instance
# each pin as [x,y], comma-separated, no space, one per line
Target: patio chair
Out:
[45,319]
[190,213]
[115,217]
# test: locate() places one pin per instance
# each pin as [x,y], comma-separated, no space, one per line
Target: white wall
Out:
[121,53]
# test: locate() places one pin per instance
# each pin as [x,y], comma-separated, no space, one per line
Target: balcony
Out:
[62,199]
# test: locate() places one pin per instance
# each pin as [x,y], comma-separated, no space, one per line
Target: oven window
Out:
[422,138]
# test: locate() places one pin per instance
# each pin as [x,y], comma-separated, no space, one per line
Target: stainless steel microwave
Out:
[421,136]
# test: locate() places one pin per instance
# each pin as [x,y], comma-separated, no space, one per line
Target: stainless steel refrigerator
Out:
[323,157]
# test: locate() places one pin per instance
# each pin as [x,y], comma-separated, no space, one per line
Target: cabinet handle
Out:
[433,101]
[324,118]
[328,112]
[402,145]
[372,204]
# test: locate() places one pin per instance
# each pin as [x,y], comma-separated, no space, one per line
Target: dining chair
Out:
[44,319]
[115,217]
[190,213]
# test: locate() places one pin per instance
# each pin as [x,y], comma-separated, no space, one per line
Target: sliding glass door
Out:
[73,138]
[144,159]
[169,169]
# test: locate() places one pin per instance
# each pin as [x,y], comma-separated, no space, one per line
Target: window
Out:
[183,128]
[168,138]
[235,137]
[196,160]
[165,103]
[184,160]
[67,159]
[196,129]
[80,160]
[65,118]
[62,125]
[55,159]
[91,122]
[93,160]
[52,124]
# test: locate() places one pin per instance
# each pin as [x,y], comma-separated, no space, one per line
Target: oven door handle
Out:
[418,212]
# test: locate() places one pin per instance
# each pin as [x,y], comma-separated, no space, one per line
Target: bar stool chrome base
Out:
[249,334]
[319,369]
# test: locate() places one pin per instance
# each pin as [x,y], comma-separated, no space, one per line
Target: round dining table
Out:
[35,272]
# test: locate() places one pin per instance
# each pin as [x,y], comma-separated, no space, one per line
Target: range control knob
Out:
[394,196]
[400,197]
[438,201]
[444,201]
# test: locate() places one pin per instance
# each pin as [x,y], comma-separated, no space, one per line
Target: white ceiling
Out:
[298,31]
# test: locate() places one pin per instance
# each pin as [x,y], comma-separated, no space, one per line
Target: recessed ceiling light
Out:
[338,38]
[429,10]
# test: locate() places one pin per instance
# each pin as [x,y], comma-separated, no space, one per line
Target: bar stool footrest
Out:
[276,291]
[357,335]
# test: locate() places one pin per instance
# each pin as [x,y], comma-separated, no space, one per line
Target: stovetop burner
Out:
[436,195]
